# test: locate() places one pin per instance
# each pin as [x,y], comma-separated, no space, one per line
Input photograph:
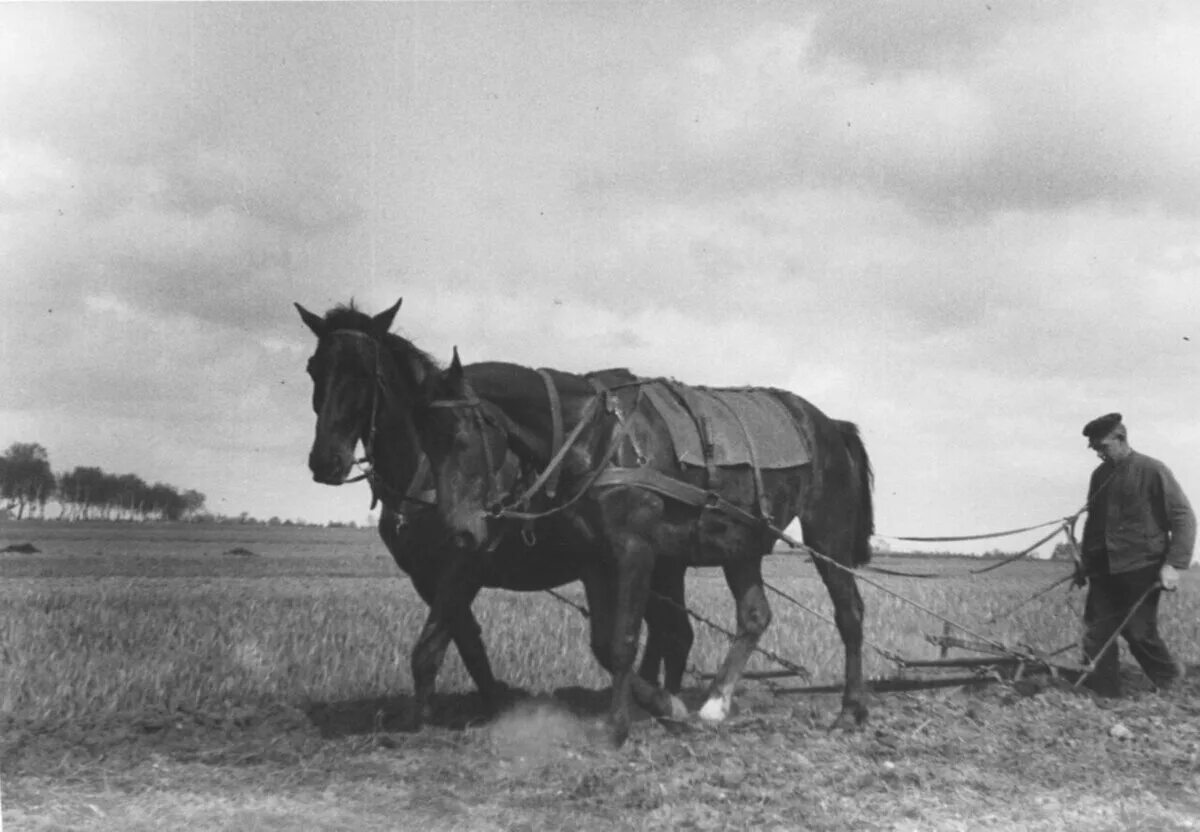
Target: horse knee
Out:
[756,619]
[624,652]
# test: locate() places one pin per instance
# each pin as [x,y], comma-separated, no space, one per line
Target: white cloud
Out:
[1079,108]
[31,174]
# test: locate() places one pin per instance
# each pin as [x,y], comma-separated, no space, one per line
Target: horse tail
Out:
[864,524]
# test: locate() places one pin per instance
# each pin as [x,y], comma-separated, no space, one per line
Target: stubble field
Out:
[241,677]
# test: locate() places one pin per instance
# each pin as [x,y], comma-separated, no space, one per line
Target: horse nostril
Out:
[326,472]
[464,540]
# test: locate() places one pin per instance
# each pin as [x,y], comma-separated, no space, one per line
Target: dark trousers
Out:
[1109,600]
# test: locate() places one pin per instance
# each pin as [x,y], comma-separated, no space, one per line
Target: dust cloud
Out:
[539,732]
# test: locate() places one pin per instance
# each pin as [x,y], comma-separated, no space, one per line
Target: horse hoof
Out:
[499,698]
[714,711]
[850,719]
[676,710]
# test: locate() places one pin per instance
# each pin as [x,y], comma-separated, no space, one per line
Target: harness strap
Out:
[704,430]
[556,427]
[556,461]
[618,436]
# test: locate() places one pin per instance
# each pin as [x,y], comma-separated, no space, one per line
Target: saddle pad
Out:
[779,442]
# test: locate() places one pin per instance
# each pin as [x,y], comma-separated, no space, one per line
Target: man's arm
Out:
[1181,522]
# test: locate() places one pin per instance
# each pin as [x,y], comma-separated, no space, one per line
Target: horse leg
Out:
[450,618]
[669,630]
[466,633]
[848,615]
[634,559]
[427,656]
[744,578]
[620,587]
[600,586]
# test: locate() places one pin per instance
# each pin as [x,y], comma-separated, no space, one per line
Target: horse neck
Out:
[399,444]
[521,394]
[398,455]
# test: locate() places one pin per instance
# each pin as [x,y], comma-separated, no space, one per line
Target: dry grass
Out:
[154,682]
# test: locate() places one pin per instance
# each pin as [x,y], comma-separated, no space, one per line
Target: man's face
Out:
[1107,448]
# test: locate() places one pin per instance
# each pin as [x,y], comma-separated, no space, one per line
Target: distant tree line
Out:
[85,493]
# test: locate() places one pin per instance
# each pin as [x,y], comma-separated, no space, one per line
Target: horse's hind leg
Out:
[848,614]
[744,578]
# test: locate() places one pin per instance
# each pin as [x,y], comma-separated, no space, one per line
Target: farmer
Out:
[1140,531]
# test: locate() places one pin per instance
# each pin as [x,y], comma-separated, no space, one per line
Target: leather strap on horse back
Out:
[703,428]
[556,427]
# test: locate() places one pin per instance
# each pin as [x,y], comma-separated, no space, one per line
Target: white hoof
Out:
[714,710]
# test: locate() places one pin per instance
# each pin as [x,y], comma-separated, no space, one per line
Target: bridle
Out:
[414,493]
[480,416]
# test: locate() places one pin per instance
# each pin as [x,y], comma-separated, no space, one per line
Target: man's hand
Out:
[1168,576]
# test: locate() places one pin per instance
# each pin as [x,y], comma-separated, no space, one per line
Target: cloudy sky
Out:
[969,227]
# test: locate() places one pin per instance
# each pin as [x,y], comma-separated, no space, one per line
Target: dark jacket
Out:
[1138,516]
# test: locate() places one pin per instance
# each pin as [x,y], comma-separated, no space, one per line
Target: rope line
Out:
[883,651]
[1002,562]
[989,535]
[1030,599]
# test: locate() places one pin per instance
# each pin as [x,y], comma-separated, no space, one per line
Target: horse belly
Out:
[709,537]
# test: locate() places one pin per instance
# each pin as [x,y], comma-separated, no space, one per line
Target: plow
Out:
[965,657]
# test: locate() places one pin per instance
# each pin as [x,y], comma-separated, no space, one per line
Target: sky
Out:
[968,227]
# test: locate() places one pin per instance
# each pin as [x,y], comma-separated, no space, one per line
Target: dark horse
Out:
[368,386]
[625,491]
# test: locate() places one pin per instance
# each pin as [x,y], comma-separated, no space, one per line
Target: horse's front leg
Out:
[466,633]
[427,656]
[628,517]
[633,561]
[450,618]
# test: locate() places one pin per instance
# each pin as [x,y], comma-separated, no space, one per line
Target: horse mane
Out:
[404,351]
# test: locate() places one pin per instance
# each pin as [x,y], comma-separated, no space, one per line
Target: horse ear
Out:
[315,323]
[455,374]
[382,323]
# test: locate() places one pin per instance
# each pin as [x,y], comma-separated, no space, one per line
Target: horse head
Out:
[475,468]
[362,384]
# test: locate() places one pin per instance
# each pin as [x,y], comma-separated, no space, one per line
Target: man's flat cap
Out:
[1097,429]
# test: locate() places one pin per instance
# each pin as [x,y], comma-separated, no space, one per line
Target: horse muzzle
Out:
[470,532]
[329,469]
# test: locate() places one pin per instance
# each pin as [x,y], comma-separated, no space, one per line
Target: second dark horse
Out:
[626,490]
